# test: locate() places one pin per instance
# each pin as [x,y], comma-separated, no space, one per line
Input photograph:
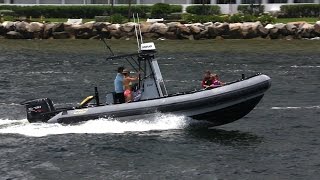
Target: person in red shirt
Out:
[215,81]
[207,81]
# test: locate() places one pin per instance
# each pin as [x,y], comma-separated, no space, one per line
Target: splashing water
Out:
[296,107]
[99,126]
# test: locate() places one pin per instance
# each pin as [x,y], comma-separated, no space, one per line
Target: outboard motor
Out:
[39,109]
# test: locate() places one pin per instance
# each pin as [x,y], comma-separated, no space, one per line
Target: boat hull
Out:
[229,114]
[218,106]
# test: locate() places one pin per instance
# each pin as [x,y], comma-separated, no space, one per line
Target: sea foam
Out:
[99,126]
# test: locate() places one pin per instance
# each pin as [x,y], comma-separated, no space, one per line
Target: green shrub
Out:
[204,10]
[301,10]
[117,18]
[75,11]
[192,18]
[266,19]
[102,18]
[254,9]
[6,12]
[235,18]
[174,16]
[175,9]
[163,10]
[141,10]
[160,10]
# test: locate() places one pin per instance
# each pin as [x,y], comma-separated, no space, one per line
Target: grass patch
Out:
[311,20]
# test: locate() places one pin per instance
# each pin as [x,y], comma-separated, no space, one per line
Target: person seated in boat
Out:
[207,81]
[215,81]
[127,84]
[118,86]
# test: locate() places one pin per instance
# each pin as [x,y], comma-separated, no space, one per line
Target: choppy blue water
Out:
[279,139]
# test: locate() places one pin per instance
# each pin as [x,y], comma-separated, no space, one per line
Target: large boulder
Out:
[172,26]
[273,31]
[195,29]
[70,29]
[269,26]
[35,30]
[207,24]
[127,35]
[101,25]
[48,30]
[181,31]
[307,31]
[84,31]
[101,29]
[35,27]
[281,28]
[211,32]
[317,28]
[2,30]
[221,28]
[87,35]
[198,25]
[204,34]
[8,26]
[14,35]
[291,28]
[61,35]
[127,27]
[159,28]
[22,27]
[87,26]
[218,29]
[145,27]
[235,30]
[113,27]
[58,27]
[170,35]
[151,35]
[249,29]
[115,34]
[262,31]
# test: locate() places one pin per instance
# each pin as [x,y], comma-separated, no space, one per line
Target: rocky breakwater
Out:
[172,30]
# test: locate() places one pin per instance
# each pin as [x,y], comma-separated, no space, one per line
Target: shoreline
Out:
[161,31]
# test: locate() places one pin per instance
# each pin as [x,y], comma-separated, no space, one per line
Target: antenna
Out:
[139,29]
[102,38]
[136,31]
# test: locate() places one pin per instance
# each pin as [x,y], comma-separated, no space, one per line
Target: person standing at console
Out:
[118,86]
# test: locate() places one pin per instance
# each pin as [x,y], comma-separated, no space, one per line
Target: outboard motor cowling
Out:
[39,109]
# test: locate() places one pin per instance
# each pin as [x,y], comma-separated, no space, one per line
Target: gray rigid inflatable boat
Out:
[218,106]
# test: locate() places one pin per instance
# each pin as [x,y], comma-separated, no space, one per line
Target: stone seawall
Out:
[172,30]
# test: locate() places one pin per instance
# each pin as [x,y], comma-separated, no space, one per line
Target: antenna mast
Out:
[139,28]
[136,31]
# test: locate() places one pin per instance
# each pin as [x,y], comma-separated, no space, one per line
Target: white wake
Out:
[296,107]
[99,126]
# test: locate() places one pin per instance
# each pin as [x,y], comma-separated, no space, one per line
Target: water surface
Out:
[279,139]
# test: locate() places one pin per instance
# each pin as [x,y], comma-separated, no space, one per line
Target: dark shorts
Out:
[119,98]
